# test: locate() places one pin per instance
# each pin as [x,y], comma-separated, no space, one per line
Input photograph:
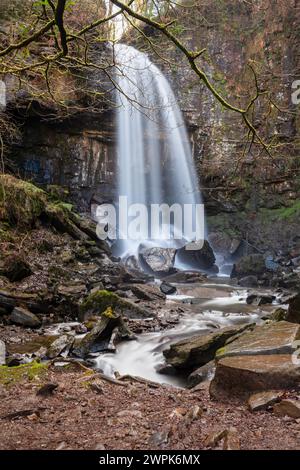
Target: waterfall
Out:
[155,163]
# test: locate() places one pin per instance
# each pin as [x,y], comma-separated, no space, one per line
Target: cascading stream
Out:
[154,154]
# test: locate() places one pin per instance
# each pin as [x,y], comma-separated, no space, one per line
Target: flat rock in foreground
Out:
[236,375]
[273,338]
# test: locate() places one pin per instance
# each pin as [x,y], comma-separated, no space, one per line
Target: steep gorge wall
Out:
[244,195]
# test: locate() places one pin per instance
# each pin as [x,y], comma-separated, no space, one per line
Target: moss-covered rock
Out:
[98,302]
[21,202]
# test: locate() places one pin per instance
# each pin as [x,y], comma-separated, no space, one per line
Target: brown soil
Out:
[85,413]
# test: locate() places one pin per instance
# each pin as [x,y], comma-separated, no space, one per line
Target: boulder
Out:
[167,289]
[97,302]
[158,261]
[2,353]
[262,400]
[293,313]
[15,268]
[249,265]
[146,292]
[288,408]
[260,299]
[199,350]
[268,339]
[240,375]
[60,347]
[22,316]
[197,259]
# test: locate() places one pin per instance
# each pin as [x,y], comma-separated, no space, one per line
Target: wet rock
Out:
[268,339]
[197,259]
[99,338]
[24,317]
[159,261]
[199,350]
[249,265]
[201,374]
[248,281]
[166,369]
[60,346]
[261,401]
[167,289]
[2,353]
[288,408]
[259,299]
[240,375]
[293,314]
[146,292]
[15,268]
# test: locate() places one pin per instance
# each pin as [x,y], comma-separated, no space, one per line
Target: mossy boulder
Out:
[21,202]
[98,302]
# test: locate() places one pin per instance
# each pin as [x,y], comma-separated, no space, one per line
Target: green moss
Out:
[20,201]
[12,375]
[100,302]
[220,352]
[283,213]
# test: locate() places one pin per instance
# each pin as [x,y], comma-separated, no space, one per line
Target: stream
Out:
[211,306]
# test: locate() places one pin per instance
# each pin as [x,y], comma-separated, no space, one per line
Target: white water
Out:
[141,357]
[154,155]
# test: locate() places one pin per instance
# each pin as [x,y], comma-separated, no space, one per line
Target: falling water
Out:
[154,153]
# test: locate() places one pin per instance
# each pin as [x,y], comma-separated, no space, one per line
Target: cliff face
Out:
[244,191]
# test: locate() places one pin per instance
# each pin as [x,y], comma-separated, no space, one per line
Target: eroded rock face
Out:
[24,317]
[199,350]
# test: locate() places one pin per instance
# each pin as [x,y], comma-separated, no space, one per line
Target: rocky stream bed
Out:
[95,354]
